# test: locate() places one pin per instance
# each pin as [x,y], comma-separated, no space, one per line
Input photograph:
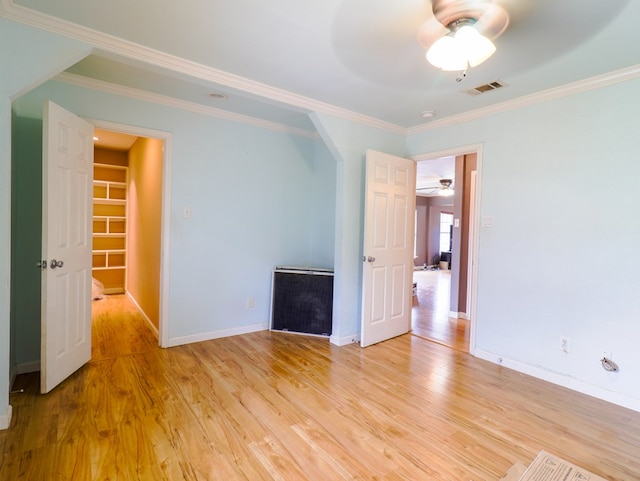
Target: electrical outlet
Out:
[565,344]
[251,303]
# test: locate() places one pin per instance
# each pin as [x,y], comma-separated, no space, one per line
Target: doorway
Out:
[26,234]
[127,231]
[444,294]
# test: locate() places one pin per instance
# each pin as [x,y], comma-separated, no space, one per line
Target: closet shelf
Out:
[109,234]
[110,225]
[107,183]
[112,217]
[110,166]
[102,201]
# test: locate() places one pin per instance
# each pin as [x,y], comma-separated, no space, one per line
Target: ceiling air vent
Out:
[481,89]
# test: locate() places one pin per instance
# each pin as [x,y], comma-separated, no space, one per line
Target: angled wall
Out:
[348,143]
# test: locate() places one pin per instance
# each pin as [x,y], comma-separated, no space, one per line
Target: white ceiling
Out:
[279,59]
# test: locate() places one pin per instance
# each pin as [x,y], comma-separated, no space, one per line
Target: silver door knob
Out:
[42,264]
[55,263]
[371,259]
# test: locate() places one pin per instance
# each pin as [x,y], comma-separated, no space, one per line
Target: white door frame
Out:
[474,228]
[166,137]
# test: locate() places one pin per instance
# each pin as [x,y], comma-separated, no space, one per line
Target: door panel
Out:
[66,239]
[378,281]
[388,247]
[399,286]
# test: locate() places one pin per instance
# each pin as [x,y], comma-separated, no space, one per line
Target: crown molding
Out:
[592,83]
[115,89]
[141,53]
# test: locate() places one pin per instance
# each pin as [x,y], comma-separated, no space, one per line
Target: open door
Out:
[67,174]
[388,247]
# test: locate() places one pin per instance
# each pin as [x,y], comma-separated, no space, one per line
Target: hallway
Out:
[119,329]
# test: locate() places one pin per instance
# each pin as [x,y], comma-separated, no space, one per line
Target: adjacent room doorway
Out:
[444,295]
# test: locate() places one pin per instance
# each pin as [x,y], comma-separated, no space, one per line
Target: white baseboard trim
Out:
[27,367]
[144,314]
[561,380]
[343,341]
[113,290]
[458,315]
[5,419]
[208,336]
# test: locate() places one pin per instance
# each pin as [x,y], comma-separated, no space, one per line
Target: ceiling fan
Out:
[445,189]
[459,34]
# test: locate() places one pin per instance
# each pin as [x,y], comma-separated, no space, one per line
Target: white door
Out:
[388,247]
[67,179]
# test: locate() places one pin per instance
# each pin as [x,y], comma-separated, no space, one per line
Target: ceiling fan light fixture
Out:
[459,49]
[445,190]
[447,55]
[461,32]
[478,48]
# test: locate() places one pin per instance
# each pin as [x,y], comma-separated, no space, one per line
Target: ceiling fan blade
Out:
[447,11]
[430,31]
[493,22]
[492,19]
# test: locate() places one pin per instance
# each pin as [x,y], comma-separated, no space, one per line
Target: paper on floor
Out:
[515,472]
[547,467]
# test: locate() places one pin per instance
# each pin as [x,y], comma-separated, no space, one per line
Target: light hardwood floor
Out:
[276,406]
[430,313]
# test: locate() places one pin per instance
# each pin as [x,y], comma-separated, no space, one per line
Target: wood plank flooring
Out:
[118,329]
[277,406]
[430,312]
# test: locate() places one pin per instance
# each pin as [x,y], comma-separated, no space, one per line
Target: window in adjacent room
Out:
[446,231]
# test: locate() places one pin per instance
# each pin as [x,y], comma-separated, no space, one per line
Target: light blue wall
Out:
[560,179]
[27,58]
[348,142]
[253,195]
[323,209]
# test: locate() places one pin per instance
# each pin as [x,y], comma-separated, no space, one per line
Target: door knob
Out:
[55,263]
[371,259]
[42,264]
